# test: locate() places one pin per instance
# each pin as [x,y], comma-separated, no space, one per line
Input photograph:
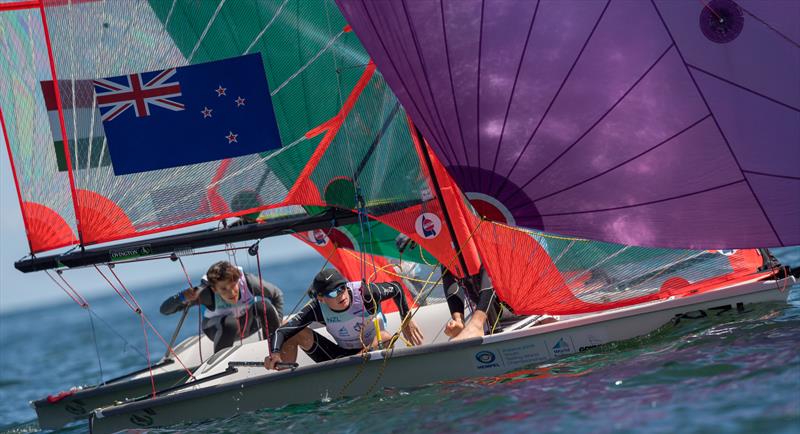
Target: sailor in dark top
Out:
[477,288]
[233,303]
[346,309]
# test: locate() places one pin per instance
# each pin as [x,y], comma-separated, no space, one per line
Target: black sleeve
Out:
[271,291]
[377,292]
[206,296]
[175,303]
[452,293]
[309,313]
[172,305]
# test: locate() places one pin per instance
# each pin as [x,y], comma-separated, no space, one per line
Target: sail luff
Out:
[420,143]
[16,182]
[62,124]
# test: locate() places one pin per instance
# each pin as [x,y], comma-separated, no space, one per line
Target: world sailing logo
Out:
[428,225]
[561,347]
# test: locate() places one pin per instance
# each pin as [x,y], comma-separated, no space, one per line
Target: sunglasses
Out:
[335,292]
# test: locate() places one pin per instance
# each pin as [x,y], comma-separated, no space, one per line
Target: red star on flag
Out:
[239,101]
[232,137]
[220,90]
[206,112]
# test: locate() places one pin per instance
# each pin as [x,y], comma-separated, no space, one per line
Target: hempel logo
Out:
[486,358]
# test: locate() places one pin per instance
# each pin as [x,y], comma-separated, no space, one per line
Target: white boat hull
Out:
[253,388]
[78,403]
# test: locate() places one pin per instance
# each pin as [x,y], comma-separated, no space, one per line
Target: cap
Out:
[326,281]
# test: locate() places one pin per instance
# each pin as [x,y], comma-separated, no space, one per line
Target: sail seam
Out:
[513,88]
[719,128]
[266,27]
[747,89]
[433,128]
[600,119]
[478,96]
[652,148]
[453,92]
[652,202]
[790,40]
[772,175]
[416,106]
[555,97]
[307,64]
[205,31]
[427,80]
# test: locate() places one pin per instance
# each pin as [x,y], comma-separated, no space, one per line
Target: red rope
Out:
[147,351]
[82,302]
[115,289]
[138,310]
[199,313]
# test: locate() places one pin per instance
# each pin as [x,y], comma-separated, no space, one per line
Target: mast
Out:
[437,189]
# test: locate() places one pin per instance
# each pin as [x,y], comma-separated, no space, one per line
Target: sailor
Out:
[233,306]
[347,310]
[477,288]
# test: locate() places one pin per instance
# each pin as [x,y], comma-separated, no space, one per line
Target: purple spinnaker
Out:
[651,123]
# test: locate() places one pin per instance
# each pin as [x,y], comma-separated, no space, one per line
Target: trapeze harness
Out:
[352,328]
[222,308]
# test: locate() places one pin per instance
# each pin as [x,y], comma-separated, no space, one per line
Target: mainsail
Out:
[649,123]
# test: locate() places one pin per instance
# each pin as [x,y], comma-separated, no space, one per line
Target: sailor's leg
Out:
[228,332]
[486,312]
[322,349]
[273,319]
[303,339]
[455,303]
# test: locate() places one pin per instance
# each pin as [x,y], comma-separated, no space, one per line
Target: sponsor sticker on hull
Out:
[486,360]
[526,354]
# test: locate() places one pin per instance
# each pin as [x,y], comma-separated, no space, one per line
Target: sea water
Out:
[740,374]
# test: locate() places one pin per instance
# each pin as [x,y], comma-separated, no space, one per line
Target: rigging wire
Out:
[199,311]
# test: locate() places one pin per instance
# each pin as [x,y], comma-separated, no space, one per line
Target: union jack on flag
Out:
[114,98]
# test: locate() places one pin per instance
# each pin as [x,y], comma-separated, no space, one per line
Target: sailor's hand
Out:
[412,333]
[272,360]
[191,295]
[453,327]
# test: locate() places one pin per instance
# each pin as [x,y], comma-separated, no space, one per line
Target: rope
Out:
[82,303]
[537,233]
[424,293]
[199,312]
[96,348]
[138,310]
[147,350]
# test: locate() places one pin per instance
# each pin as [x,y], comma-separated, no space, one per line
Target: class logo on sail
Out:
[428,225]
[318,237]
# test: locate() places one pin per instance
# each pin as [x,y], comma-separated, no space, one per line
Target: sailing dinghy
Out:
[615,164]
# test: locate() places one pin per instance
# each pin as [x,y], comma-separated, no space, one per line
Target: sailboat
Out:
[593,159]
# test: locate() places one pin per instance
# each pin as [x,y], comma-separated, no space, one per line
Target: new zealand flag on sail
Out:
[187,115]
